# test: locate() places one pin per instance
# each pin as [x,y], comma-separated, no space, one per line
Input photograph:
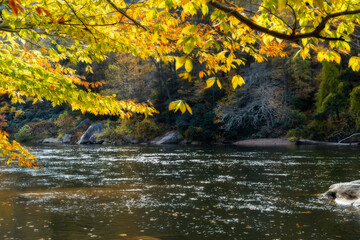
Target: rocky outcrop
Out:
[89,137]
[347,193]
[66,139]
[83,124]
[172,137]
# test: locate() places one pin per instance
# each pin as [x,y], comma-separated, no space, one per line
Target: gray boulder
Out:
[172,137]
[347,193]
[66,138]
[80,125]
[89,137]
[51,141]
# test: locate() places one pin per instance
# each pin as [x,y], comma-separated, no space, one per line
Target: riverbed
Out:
[179,192]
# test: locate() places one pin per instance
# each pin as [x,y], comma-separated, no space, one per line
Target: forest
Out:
[213,70]
[179,119]
[282,97]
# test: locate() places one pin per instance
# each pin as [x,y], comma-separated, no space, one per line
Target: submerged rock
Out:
[89,137]
[172,137]
[347,193]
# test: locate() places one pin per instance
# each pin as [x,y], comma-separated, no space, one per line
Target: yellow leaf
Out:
[354,63]
[237,80]
[188,65]
[172,105]
[179,104]
[319,3]
[282,4]
[180,61]
[188,108]
[210,82]
[204,9]
[218,83]
[182,107]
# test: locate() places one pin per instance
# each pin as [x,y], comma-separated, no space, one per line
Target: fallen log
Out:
[322,143]
[353,135]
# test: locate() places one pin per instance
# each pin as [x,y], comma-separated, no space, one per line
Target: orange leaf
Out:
[202,74]
[61,20]
[38,10]
[47,12]
[13,6]
[52,87]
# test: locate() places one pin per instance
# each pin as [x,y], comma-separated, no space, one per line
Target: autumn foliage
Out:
[36,37]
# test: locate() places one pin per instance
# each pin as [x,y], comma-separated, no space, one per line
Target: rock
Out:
[81,124]
[347,193]
[172,137]
[184,142]
[196,143]
[134,141]
[66,138]
[89,137]
[51,141]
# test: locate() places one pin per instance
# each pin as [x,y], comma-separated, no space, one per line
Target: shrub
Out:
[296,133]
[65,122]
[5,108]
[195,133]
[19,114]
[3,121]
[146,129]
[127,129]
[24,134]
[297,118]
[355,104]
[43,129]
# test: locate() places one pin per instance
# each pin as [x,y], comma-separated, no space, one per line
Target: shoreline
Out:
[265,142]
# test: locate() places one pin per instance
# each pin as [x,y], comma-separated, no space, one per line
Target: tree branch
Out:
[86,28]
[127,16]
[294,37]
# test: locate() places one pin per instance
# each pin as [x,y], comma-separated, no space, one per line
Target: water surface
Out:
[178,192]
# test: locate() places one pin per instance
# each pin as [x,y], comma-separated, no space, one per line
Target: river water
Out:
[178,192]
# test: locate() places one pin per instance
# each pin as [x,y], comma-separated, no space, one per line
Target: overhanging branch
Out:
[126,15]
[293,37]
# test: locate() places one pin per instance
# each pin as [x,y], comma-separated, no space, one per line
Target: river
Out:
[178,192]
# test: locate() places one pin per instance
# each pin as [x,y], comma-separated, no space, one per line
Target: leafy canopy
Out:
[35,37]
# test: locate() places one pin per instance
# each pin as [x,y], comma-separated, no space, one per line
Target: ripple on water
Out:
[201,192]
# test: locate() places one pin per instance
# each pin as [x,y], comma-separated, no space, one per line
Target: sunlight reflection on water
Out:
[178,192]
